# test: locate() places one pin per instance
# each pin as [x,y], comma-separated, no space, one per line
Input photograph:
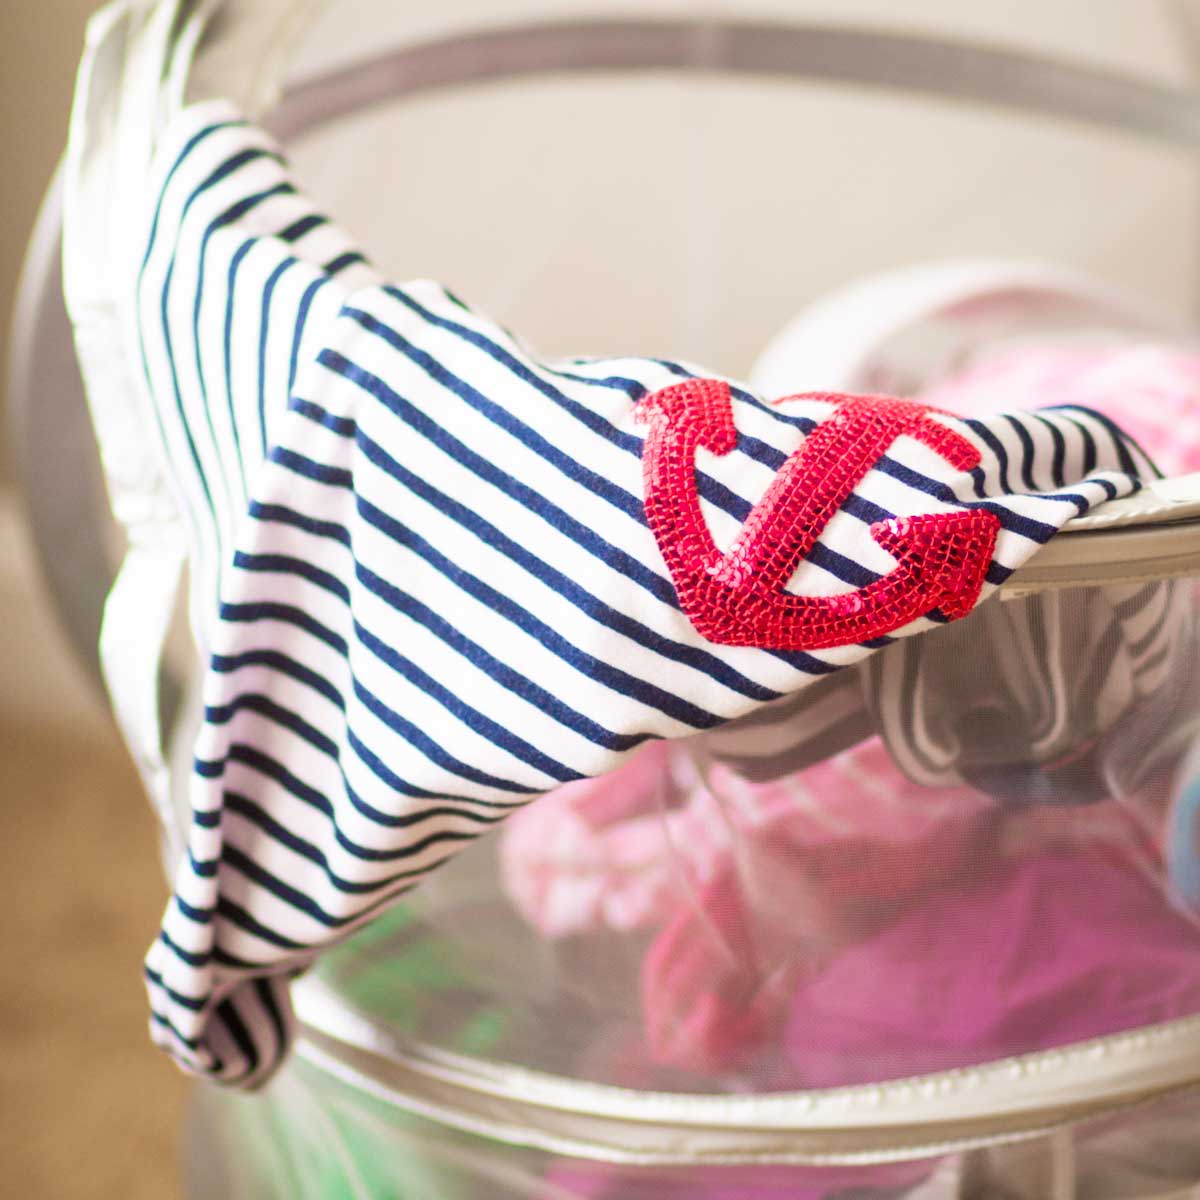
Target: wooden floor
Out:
[87,1107]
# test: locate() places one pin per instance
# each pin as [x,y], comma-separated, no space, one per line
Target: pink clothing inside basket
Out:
[826,856]
[600,853]
[623,851]
[1039,952]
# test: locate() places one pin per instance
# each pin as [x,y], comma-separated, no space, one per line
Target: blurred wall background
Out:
[90,1110]
[39,50]
[40,42]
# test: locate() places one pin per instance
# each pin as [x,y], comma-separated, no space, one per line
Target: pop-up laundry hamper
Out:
[925,927]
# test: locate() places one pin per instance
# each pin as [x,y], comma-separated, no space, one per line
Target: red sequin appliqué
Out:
[737,598]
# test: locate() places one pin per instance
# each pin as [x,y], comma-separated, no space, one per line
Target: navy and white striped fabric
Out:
[1074,663]
[422,576]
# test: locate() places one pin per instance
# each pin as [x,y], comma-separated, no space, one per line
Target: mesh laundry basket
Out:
[928,929]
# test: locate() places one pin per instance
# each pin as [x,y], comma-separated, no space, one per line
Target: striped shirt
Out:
[422,578]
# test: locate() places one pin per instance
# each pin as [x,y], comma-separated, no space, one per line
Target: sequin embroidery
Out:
[736,598]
